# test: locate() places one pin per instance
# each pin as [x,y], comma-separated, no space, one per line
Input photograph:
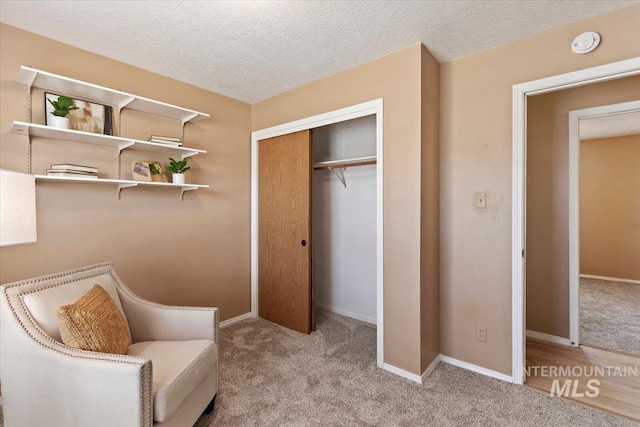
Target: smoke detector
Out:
[585,42]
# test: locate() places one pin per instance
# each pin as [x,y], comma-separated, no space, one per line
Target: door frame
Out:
[574,204]
[626,68]
[374,107]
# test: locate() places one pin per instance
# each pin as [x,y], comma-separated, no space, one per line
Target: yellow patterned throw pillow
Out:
[94,323]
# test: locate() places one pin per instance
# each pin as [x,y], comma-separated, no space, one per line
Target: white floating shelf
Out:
[122,183]
[165,110]
[32,77]
[42,131]
[156,147]
[80,180]
[118,181]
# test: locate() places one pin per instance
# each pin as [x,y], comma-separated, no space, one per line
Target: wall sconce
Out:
[17,208]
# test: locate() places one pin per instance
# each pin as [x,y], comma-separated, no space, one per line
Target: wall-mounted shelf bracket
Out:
[124,185]
[189,117]
[126,101]
[186,154]
[29,82]
[340,174]
[186,188]
[124,145]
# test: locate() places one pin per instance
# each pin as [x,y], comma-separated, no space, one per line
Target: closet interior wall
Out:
[344,221]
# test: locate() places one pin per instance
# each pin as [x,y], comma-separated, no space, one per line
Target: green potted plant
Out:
[61,109]
[177,169]
[157,174]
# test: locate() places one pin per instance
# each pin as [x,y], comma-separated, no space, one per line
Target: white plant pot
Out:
[177,178]
[59,122]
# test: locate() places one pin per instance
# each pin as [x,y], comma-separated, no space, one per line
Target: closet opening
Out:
[338,243]
[344,227]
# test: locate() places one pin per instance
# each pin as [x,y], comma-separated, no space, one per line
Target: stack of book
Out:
[166,140]
[73,171]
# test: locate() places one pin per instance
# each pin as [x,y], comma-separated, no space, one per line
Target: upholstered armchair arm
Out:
[149,321]
[45,382]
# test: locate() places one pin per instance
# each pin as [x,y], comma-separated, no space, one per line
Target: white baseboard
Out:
[410,376]
[427,372]
[476,368]
[610,279]
[236,319]
[347,314]
[547,337]
[401,372]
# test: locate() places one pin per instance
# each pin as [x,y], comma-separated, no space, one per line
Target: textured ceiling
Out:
[610,126]
[252,50]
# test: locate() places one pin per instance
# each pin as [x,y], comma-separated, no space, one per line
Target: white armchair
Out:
[168,377]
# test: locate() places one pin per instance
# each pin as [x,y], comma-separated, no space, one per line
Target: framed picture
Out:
[89,117]
[140,171]
[157,172]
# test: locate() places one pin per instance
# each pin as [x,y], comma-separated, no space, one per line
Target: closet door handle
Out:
[304,243]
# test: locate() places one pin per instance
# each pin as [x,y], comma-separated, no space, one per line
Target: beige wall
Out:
[213,266]
[548,197]
[396,78]
[610,207]
[429,210]
[475,156]
[194,252]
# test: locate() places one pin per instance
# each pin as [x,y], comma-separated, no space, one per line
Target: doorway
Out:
[521,93]
[371,108]
[604,236]
[543,255]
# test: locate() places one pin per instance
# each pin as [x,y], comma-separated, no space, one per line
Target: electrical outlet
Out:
[481,333]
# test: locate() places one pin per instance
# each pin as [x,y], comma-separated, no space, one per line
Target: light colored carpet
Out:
[610,315]
[272,376]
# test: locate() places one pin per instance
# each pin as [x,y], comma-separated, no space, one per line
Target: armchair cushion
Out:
[51,294]
[93,322]
[178,369]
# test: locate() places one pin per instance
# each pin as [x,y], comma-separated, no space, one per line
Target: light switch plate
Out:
[481,200]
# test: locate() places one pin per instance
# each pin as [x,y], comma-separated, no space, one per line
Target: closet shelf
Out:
[344,163]
[32,129]
[32,77]
[122,183]
[335,165]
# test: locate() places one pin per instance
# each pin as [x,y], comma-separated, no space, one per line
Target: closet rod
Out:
[335,164]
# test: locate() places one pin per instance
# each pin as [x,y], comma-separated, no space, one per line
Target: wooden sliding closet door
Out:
[284,221]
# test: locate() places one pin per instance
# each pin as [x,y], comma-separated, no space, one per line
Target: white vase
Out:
[177,178]
[59,122]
